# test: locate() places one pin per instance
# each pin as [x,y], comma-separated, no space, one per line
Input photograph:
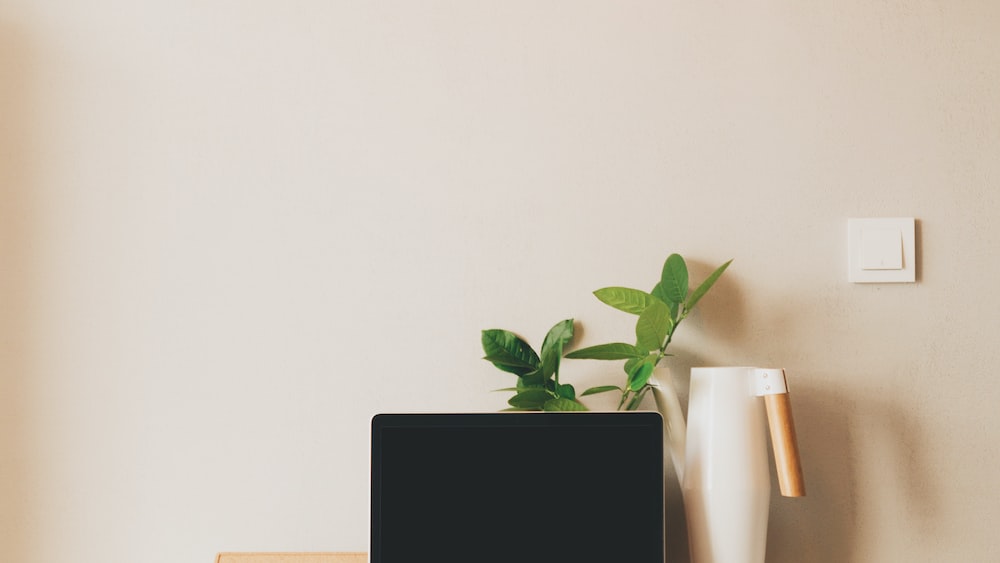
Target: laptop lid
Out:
[517,488]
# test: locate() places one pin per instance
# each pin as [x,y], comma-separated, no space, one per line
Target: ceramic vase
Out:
[726,482]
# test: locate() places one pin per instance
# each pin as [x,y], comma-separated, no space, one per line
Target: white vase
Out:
[726,482]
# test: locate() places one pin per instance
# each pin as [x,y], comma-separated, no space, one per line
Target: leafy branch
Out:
[659,313]
[538,386]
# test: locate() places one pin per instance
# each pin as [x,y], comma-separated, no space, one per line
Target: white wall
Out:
[232,231]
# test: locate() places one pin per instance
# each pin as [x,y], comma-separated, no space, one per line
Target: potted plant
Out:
[659,313]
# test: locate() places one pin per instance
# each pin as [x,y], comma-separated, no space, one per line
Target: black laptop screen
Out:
[517,488]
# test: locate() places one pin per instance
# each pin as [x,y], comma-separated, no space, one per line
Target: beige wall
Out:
[231,231]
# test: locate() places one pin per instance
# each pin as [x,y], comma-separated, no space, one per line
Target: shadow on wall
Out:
[821,526]
[825,526]
[15,291]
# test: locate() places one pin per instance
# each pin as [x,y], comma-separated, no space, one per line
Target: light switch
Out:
[881,250]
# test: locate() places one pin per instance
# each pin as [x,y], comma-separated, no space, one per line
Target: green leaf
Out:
[674,279]
[566,391]
[706,285]
[638,378]
[512,354]
[632,364]
[505,359]
[552,348]
[601,389]
[531,380]
[653,326]
[625,299]
[562,404]
[613,351]
[531,399]
[659,293]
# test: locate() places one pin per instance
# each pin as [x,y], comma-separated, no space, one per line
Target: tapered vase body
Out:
[726,484]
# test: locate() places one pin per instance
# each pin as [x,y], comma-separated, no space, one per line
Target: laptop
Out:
[517,487]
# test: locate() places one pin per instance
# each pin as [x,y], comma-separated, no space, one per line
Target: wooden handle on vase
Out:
[786,448]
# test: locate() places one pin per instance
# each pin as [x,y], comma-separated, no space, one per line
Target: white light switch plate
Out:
[881,250]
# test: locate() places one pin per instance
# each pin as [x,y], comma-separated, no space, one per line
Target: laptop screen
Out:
[517,488]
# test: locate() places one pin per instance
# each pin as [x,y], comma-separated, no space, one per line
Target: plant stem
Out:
[624,398]
[637,400]
[662,353]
